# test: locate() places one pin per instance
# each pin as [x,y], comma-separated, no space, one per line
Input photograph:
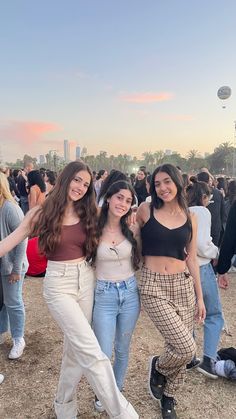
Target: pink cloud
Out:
[148,97]
[26,132]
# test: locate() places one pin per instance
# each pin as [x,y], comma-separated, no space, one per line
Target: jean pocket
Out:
[133,286]
[100,288]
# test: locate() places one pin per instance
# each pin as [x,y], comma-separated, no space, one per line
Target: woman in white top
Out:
[116,304]
[198,195]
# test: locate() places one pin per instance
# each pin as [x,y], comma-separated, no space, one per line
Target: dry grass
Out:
[30,383]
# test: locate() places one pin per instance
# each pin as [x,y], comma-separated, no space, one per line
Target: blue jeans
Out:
[24,203]
[13,310]
[214,319]
[115,313]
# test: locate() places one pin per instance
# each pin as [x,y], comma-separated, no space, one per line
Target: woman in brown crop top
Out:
[168,282]
[69,287]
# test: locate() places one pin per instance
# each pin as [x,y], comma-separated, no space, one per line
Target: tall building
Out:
[41,159]
[84,152]
[77,152]
[66,151]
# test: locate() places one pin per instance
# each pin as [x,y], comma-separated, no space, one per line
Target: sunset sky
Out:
[124,76]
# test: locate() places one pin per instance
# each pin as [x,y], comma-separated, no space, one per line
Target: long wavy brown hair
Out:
[47,222]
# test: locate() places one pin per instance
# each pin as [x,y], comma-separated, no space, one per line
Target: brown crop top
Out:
[72,243]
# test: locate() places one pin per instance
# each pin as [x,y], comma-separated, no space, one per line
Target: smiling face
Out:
[120,203]
[165,188]
[140,175]
[79,185]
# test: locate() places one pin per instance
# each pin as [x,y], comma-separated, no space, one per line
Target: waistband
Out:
[157,275]
[118,284]
[58,264]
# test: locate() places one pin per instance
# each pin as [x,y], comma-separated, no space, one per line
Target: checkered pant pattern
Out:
[169,301]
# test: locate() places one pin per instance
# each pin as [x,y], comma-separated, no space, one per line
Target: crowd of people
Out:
[88,234]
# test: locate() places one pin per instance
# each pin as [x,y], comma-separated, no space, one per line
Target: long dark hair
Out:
[112,190]
[195,193]
[35,178]
[232,191]
[114,176]
[49,222]
[176,177]
[100,174]
[51,177]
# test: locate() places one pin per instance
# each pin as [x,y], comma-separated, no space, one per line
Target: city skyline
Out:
[125,77]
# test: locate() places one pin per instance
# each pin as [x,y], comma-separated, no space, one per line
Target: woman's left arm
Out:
[193,267]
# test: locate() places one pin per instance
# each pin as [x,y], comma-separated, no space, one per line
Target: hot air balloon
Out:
[224,93]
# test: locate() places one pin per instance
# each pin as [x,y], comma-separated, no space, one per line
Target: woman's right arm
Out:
[19,234]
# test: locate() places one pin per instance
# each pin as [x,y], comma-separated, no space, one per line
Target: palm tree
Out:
[158,157]
[148,159]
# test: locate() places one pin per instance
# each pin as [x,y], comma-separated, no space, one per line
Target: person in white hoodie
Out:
[198,195]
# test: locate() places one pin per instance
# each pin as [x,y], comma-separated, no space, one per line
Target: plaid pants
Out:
[169,301]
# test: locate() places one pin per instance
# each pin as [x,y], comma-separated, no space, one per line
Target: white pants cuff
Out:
[66,410]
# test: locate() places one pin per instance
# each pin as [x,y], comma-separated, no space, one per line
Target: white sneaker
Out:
[2,338]
[98,405]
[1,378]
[17,349]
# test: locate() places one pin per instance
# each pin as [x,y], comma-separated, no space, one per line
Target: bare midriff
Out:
[164,265]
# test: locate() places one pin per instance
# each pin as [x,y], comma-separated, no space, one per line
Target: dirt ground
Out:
[30,383]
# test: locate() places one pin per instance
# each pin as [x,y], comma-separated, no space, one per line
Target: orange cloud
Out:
[26,132]
[147,97]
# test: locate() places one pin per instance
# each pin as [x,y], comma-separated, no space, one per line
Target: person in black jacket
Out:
[227,249]
[21,186]
[140,185]
[216,207]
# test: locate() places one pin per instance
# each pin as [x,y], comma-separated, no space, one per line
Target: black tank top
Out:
[158,240]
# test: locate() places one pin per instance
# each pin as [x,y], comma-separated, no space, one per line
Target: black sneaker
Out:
[207,367]
[168,407]
[156,380]
[193,364]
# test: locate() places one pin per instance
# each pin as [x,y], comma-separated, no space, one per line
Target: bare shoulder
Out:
[143,213]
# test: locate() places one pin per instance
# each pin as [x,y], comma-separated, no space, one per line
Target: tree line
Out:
[221,161]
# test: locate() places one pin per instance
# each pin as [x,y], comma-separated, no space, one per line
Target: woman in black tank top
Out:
[169,281]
